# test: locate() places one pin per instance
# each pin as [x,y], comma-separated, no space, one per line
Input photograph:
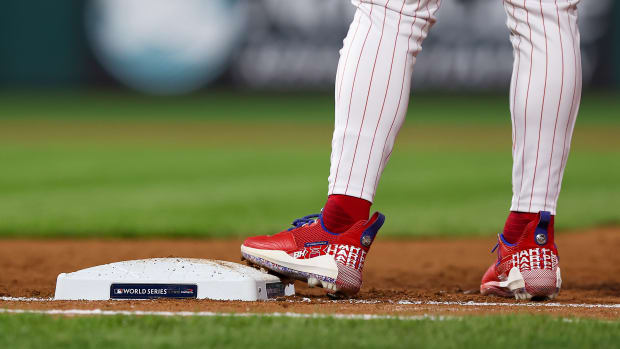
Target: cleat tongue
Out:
[541,232]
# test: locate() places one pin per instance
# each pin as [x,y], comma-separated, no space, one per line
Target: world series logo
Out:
[151,291]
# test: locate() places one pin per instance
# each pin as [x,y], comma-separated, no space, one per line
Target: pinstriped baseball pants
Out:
[373,84]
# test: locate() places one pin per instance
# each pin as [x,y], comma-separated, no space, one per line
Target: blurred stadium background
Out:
[173,47]
[213,118]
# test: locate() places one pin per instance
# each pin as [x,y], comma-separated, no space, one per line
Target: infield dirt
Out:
[401,277]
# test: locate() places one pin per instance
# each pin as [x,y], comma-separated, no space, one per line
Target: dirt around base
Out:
[401,277]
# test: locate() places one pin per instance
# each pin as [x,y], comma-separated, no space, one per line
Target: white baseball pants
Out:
[373,83]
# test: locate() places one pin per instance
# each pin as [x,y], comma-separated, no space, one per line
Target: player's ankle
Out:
[342,211]
[515,225]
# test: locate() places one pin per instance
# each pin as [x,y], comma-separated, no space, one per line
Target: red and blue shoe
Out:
[311,253]
[527,269]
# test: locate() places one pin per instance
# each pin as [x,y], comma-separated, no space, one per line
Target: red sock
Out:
[515,225]
[342,211]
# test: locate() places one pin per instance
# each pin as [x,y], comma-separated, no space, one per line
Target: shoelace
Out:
[499,258]
[300,222]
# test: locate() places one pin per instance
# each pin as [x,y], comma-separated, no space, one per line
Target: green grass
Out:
[235,164]
[513,331]
[599,107]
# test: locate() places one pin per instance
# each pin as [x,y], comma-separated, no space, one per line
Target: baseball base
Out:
[180,278]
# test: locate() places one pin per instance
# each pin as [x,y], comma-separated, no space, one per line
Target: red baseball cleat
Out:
[527,269]
[309,252]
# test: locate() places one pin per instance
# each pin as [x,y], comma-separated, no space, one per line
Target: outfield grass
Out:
[513,331]
[596,107]
[228,164]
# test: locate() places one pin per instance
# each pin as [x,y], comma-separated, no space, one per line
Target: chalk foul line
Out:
[213,314]
[404,302]
[501,304]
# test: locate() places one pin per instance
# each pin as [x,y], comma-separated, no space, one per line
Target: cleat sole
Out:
[515,286]
[287,273]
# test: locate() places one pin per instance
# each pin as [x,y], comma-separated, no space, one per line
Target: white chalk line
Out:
[404,302]
[530,304]
[212,314]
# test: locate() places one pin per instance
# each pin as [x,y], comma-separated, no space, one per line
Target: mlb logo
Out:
[118,291]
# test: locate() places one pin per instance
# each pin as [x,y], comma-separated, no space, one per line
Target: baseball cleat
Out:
[309,252]
[527,269]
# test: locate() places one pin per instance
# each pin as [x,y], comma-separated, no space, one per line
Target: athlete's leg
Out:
[544,97]
[372,89]
[544,100]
